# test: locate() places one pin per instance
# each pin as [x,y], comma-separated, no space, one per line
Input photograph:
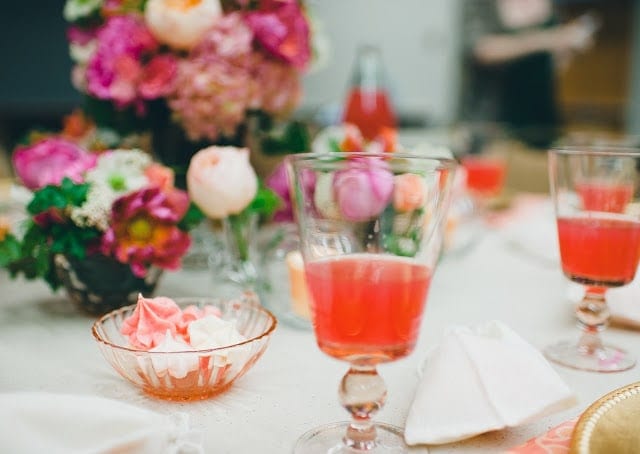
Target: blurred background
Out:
[429,56]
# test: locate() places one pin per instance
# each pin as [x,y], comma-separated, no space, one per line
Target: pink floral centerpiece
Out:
[208,62]
[116,206]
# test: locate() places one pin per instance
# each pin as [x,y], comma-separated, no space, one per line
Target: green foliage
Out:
[192,218]
[33,255]
[59,197]
[265,203]
[294,137]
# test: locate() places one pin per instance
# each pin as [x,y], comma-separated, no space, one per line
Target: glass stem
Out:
[362,392]
[593,316]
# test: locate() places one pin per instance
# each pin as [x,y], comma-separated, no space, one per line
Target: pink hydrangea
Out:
[280,91]
[144,232]
[213,89]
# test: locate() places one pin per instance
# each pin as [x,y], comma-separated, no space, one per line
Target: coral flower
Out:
[143,230]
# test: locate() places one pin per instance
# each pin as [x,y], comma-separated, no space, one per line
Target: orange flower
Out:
[409,193]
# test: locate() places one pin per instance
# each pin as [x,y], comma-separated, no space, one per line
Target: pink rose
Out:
[363,189]
[282,29]
[49,161]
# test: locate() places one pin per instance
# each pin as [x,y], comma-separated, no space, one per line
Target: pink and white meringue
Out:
[149,322]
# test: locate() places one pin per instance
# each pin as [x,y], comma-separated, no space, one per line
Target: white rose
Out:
[221,180]
[181,23]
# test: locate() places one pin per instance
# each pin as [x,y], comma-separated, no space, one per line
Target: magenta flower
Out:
[119,71]
[363,189]
[278,182]
[282,30]
[49,161]
[144,232]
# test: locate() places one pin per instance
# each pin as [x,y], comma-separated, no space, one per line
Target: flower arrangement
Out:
[224,185]
[117,204]
[209,62]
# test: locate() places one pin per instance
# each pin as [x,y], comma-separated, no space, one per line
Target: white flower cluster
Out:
[116,173]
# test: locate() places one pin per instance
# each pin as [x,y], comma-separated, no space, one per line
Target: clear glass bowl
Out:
[194,374]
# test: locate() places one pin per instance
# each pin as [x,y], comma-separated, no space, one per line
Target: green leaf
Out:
[9,250]
[265,203]
[192,218]
[294,137]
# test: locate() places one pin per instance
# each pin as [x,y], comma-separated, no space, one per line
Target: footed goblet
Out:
[371,230]
[595,192]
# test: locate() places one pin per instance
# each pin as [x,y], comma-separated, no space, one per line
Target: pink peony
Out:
[363,189]
[49,161]
[143,230]
[278,182]
[281,28]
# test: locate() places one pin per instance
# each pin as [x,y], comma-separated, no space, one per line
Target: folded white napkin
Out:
[479,379]
[58,423]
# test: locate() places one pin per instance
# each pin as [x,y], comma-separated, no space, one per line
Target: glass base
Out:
[606,358]
[327,439]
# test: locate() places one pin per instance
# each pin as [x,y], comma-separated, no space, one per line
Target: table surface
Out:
[45,345]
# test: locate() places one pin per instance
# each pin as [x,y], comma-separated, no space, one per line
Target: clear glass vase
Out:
[239,266]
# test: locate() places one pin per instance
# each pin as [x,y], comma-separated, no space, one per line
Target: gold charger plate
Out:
[610,425]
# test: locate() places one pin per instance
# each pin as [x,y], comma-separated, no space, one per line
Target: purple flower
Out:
[49,161]
[363,189]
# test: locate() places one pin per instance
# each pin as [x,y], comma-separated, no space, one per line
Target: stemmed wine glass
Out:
[371,230]
[595,192]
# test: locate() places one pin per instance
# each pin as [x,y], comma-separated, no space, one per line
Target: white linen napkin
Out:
[57,423]
[479,379]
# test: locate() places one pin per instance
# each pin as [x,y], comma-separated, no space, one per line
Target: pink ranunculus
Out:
[144,232]
[49,161]
[282,29]
[363,189]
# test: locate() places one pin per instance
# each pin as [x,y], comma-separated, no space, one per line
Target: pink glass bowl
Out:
[194,374]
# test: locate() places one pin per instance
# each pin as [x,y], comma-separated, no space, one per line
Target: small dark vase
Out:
[99,284]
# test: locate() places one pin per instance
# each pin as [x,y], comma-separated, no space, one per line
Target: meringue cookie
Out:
[152,317]
[213,332]
[176,364]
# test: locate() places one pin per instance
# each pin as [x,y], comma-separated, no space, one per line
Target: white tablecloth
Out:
[45,345]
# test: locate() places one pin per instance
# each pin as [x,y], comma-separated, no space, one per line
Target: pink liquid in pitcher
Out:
[369,110]
[367,307]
